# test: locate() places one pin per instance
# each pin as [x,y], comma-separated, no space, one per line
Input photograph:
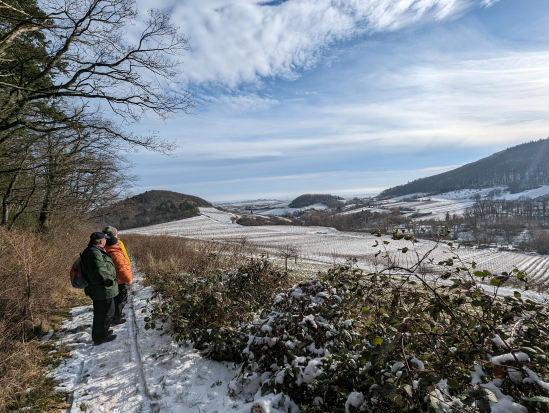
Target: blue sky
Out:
[348,96]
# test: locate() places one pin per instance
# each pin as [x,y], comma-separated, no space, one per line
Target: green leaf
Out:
[479,274]
[377,341]
[517,294]
[453,383]
[495,281]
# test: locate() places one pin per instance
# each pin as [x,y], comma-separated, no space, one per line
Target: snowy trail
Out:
[142,370]
[110,378]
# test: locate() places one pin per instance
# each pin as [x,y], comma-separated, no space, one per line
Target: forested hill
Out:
[306,200]
[153,207]
[518,168]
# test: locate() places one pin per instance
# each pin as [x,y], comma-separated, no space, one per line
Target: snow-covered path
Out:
[140,371]
[105,378]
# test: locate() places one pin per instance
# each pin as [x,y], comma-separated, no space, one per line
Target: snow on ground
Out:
[435,207]
[143,370]
[455,202]
[354,211]
[323,244]
[267,207]
[218,216]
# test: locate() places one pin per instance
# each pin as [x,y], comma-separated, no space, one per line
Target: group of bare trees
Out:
[74,74]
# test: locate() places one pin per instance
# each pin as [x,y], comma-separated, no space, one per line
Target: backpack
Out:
[78,278]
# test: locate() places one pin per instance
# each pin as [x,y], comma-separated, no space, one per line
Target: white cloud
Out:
[488,3]
[240,103]
[469,103]
[242,41]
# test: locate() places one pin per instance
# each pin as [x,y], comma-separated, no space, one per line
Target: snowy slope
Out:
[455,202]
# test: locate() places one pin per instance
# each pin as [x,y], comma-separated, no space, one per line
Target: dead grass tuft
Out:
[35,295]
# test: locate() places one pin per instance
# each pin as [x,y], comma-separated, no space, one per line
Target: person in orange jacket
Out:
[124,277]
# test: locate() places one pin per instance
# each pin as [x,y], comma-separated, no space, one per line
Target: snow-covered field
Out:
[436,206]
[267,207]
[324,244]
[455,202]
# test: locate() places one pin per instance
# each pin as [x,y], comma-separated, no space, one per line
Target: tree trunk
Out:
[5,201]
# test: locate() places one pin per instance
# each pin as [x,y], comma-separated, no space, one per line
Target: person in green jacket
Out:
[102,286]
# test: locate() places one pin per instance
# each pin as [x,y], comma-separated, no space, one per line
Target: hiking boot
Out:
[107,339]
[118,322]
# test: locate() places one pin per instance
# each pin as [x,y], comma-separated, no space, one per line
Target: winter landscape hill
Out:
[154,207]
[519,168]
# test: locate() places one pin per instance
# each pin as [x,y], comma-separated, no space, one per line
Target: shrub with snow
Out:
[390,341]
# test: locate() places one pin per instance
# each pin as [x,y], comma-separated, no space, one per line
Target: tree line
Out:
[517,169]
[73,80]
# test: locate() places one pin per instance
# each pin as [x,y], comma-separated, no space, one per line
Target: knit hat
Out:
[97,235]
[112,240]
[108,230]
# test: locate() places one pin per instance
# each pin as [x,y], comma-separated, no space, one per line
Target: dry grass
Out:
[35,295]
[166,254]
[206,286]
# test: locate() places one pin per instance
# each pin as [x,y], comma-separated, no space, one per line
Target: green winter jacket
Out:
[100,272]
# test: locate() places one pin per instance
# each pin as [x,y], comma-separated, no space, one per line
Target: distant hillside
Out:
[306,200]
[153,207]
[518,168]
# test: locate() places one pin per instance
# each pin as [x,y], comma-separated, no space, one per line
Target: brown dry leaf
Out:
[499,371]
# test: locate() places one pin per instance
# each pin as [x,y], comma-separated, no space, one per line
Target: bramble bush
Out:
[391,340]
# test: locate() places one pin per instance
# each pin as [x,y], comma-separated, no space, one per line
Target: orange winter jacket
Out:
[123,269]
[124,250]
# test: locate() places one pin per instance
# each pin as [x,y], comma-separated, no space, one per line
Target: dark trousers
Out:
[103,310]
[120,301]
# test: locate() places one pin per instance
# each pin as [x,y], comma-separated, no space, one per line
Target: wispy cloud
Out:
[488,3]
[238,103]
[243,41]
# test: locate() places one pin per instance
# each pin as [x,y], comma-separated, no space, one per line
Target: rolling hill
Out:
[518,168]
[153,207]
[331,201]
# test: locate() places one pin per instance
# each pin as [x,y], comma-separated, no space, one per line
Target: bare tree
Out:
[289,251]
[85,54]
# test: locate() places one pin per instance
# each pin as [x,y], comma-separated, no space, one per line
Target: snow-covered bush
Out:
[377,342]
[210,309]
[389,341]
